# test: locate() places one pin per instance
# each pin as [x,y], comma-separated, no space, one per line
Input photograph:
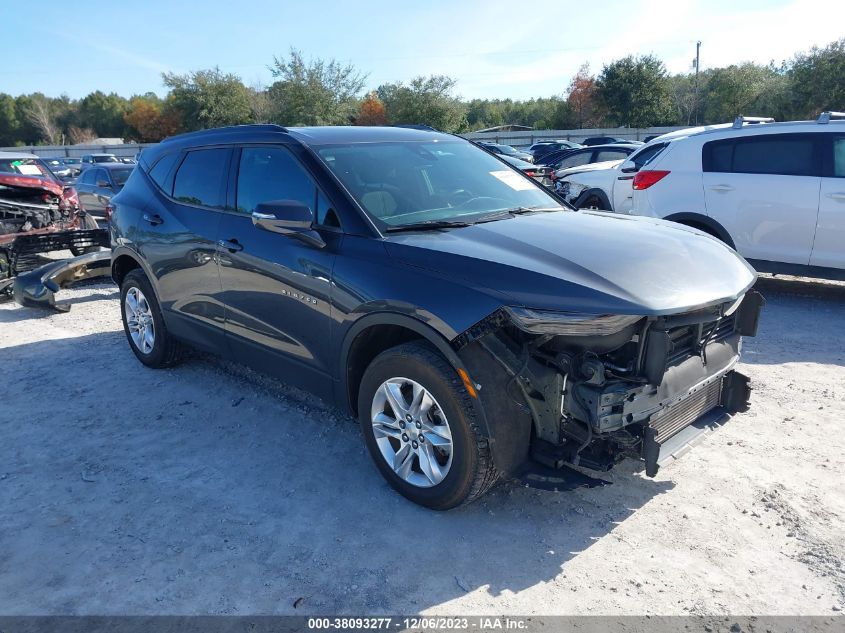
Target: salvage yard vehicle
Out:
[38,214]
[97,185]
[604,185]
[506,150]
[773,191]
[477,327]
[540,173]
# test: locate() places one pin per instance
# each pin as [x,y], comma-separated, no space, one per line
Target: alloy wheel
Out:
[139,320]
[412,432]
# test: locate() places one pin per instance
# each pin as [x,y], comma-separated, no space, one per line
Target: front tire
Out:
[143,323]
[420,427]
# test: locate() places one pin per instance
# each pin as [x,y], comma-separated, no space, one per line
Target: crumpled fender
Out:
[37,288]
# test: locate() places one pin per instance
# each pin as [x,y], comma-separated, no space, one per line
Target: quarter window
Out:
[161,170]
[644,156]
[202,178]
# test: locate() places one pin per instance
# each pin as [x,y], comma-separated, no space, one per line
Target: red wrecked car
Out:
[39,214]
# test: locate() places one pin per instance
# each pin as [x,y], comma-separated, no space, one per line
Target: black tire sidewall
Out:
[411,361]
[157,357]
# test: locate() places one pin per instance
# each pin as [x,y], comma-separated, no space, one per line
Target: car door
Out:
[277,288]
[85,189]
[177,236]
[764,189]
[829,244]
[100,191]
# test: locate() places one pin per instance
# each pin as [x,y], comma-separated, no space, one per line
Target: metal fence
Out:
[517,139]
[524,139]
[78,151]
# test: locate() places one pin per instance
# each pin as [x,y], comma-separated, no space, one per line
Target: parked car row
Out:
[773,191]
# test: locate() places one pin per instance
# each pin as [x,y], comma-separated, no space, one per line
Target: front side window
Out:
[202,177]
[87,177]
[401,183]
[271,173]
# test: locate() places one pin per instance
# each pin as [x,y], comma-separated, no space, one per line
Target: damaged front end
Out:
[597,389]
[39,215]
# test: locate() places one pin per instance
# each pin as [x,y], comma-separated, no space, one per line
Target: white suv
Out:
[773,191]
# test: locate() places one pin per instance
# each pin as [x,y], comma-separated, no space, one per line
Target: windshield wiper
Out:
[427,225]
[509,213]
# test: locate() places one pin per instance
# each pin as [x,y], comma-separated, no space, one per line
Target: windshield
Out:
[26,167]
[404,183]
[106,159]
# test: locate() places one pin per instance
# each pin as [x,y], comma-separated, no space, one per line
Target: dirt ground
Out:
[207,489]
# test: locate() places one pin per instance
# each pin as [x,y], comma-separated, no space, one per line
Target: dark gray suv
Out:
[476,326]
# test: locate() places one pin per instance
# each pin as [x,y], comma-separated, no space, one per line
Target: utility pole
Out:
[697,64]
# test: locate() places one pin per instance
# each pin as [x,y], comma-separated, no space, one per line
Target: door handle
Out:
[837,195]
[155,220]
[233,245]
[721,188]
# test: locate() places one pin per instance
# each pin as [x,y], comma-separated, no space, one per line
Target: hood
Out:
[589,262]
[569,171]
[20,182]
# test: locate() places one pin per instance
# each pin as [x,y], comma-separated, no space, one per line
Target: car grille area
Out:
[688,340]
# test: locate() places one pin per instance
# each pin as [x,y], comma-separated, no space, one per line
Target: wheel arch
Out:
[124,260]
[588,193]
[369,336]
[374,333]
[703,223]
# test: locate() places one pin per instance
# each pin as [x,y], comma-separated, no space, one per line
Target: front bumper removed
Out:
[678,427]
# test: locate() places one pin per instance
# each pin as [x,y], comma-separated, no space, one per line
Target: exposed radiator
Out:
[687,411]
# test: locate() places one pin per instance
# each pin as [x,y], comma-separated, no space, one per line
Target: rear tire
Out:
[144,325]
[431,473]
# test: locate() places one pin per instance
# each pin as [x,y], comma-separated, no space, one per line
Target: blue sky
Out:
[493,48]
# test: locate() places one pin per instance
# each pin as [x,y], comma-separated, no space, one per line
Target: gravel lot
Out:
[207,489]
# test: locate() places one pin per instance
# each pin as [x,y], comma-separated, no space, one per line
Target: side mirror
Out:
[628,167]
[102,184]
[288,217]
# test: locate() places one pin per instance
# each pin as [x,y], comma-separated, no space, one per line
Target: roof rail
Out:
[827,117]
[751,119]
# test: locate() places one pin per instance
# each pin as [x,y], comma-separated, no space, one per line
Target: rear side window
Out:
[202,178]
[161,170]
[780,154]
[610,154]
[575,160]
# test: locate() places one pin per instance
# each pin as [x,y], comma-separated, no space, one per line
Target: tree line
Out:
[635,91]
